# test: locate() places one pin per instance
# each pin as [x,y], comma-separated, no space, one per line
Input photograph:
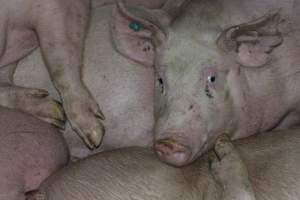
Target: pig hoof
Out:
[34,101]
[223,146]
[223,158]
[84,116]
[93,137]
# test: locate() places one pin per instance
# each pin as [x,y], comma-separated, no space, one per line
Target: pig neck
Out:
[261,99]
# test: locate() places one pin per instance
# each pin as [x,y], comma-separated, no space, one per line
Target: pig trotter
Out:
[85,118]
[33,101]
[62,46]
[229,170]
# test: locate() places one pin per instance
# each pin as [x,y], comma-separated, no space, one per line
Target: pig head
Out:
[213,76]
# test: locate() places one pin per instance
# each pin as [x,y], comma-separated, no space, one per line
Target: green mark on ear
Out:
[135,26]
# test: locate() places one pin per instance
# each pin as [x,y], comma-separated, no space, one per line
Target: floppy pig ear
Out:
[136,33]
[253,42]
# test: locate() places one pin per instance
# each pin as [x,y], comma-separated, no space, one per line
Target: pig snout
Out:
[172,152]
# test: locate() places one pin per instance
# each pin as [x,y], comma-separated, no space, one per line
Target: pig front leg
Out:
[229,170]
[62,30]
[29,100]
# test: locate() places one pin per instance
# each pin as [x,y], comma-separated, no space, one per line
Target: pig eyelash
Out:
[208,92]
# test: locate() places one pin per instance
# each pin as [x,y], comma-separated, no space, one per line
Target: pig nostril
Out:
[163,148]
[169,151]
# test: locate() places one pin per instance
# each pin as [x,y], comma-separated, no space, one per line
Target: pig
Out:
[30,150]
[226,66]
[123,88]
[269,162]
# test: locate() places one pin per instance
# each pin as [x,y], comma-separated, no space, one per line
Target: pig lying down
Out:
[30,150]
[135,173]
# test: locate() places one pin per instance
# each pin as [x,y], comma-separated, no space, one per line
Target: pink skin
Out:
[206,87]
[59,27]
[30,151]
[123,88]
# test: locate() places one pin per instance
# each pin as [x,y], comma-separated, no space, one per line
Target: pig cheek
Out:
[197,135]
[159,104]
[209,126]
[220,119]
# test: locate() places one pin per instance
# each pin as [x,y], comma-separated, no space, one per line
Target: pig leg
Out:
[230,172]
[62,30]
[30,100]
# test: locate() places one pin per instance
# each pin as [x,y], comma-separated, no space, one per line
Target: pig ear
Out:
[136,33]
[252,43]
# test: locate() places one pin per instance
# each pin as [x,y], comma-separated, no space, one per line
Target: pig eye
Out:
[210,75]
[211,79]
